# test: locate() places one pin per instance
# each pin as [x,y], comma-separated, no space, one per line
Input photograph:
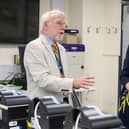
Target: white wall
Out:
[102,18]
[7,68]
[7,53]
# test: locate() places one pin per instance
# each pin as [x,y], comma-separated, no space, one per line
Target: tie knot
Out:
[55,46]
[55,50]
[57,55]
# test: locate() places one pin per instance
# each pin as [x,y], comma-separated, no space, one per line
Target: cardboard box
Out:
[70,38]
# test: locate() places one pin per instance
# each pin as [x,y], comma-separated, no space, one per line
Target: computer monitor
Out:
[19,21]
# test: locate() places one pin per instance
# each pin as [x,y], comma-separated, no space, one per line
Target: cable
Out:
[8,76]
[76,102]
[77,121]
[36,116]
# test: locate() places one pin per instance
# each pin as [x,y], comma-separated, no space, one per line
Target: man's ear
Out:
[45,25]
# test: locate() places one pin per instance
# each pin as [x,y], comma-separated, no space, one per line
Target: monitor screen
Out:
[12,28]
[19,20]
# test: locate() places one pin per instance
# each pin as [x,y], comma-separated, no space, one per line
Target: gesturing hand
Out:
[83,82]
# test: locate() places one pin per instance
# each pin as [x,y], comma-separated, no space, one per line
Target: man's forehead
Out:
[57,16]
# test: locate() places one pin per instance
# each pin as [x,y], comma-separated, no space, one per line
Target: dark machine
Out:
[93,118]
[53,115]
[50,114]
[14,110]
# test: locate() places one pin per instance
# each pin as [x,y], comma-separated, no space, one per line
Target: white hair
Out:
[46,16]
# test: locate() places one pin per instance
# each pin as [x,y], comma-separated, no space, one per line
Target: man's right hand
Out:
[83,82]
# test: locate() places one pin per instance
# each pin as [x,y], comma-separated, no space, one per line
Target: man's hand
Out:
[83,82]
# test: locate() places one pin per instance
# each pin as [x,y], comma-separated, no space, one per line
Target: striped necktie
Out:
[58,58]
[59,63]
[56,50]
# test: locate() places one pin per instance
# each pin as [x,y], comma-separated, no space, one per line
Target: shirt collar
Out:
[42,36]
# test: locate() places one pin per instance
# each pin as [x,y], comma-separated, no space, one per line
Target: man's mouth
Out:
[61,33]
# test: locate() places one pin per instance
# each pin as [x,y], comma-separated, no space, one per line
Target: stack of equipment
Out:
[14,111]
